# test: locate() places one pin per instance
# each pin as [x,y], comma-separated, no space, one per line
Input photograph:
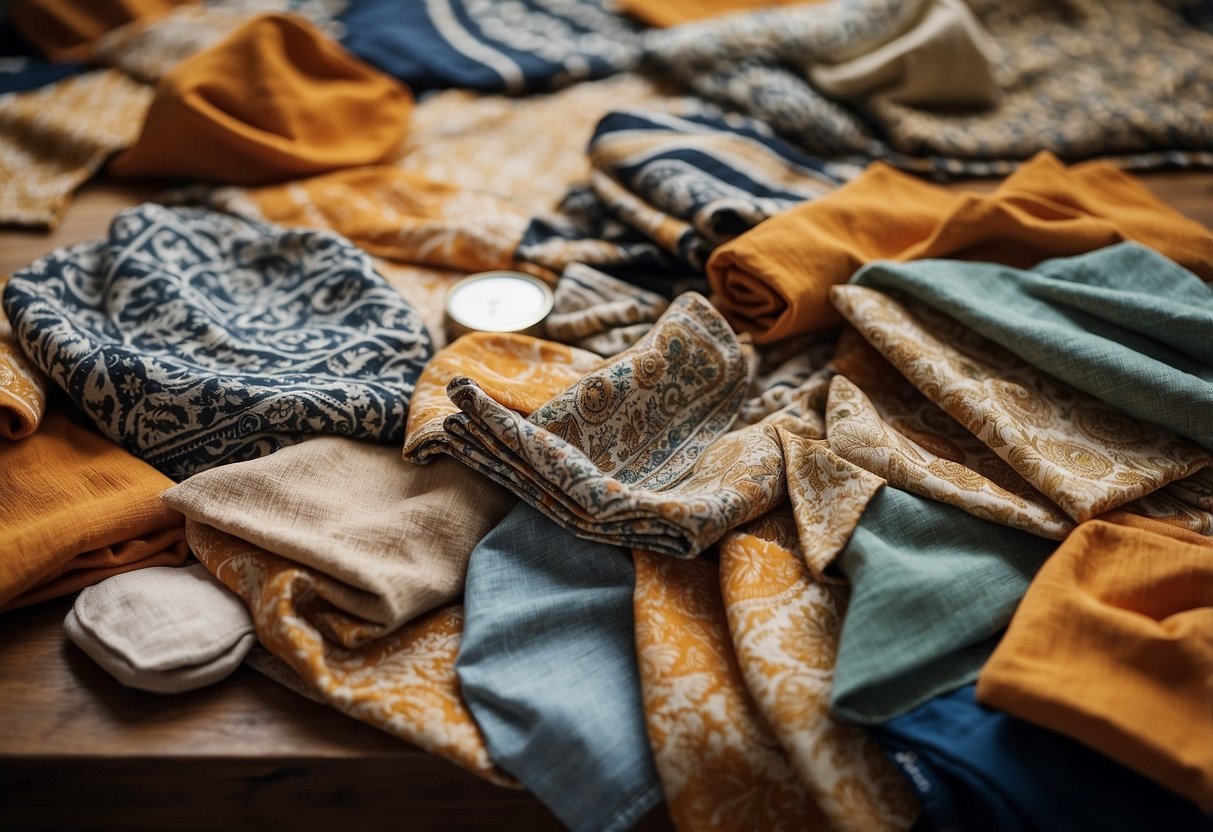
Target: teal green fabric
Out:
[932,589]
[1123,324]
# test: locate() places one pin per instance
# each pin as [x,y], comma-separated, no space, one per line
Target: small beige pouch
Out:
[162,629]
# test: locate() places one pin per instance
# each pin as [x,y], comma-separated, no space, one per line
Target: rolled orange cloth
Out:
[773,281]
[68,30]
[276,100]
[75,509]
[1113,646]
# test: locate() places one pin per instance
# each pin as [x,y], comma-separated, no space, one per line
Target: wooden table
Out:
[79,751]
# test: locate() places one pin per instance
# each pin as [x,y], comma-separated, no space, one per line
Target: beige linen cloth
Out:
[163,629]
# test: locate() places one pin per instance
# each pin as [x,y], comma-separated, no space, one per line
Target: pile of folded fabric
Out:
[827,497]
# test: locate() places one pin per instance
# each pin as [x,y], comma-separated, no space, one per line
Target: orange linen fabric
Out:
[22,385]
[405,217]
[67,30]
[773,281]
[1113,646]
[276,100]
[674,12]
[74,509]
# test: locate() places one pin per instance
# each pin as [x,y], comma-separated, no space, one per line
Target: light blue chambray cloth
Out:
[548,669]
[932,589]
[1123,324]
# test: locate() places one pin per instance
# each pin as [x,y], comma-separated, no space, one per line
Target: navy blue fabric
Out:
[548,669]
[489,45]
[975,768]
[195,338]
[22,68]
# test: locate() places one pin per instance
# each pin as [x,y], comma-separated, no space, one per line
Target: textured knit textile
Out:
[403,683]
[1113,646]
[1084,455]
[518,47]
[47,150]
[67,30]
[773,281]
[720,766]
[393,538]
[977,769]
[22,388]
[316,109]
[74,509]
[547,667]
[629,454]
[163,630]
[784,626]
[1143,63]
[932,588]
[1123,324]
[196,338]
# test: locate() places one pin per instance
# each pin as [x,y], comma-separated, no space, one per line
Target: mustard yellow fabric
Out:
[675,12]
[276,100]
[67,30]
[1113,646]
[22,387]
[74,509]
[773,280]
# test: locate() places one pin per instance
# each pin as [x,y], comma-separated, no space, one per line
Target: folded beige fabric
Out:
[395,537]
[163,629]
[943,59]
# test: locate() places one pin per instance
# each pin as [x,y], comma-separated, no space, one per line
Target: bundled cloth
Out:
[196,338]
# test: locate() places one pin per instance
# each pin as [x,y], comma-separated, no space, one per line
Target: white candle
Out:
[498,301]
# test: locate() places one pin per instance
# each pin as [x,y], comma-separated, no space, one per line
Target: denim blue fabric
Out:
[932,589]
[516,47]
[548,669]
[1123,323]
[975,768]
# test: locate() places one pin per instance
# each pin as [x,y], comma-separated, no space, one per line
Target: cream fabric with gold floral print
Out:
[22,387]
[54,138]
[403,683]
[785,630]
[1084,455]
[720,766]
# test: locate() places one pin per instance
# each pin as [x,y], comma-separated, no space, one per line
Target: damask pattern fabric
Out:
[403,683]
[773,281]
[547,667]
[392,538]
[207,123]
[481,45]
[1142,62]
[22,388]
[1113,646]
[47,150]
[164,630]
[1085,456]
[932,588]
[784,627]
[74,510]
[978,769]
[720,766]
[196,338]
[630,454]
[1123,324]
[596,312]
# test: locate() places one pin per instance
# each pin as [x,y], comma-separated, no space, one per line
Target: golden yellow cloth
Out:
[54,138]
[276,100]
[1113,646]
[67,30]
[674,12]
[74,509]
[773,281]
[22,386]
[403,682]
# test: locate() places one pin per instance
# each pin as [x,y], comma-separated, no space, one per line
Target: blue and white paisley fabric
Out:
[512,46]
[195,338]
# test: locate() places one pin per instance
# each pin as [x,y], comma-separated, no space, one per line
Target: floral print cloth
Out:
[195,338]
